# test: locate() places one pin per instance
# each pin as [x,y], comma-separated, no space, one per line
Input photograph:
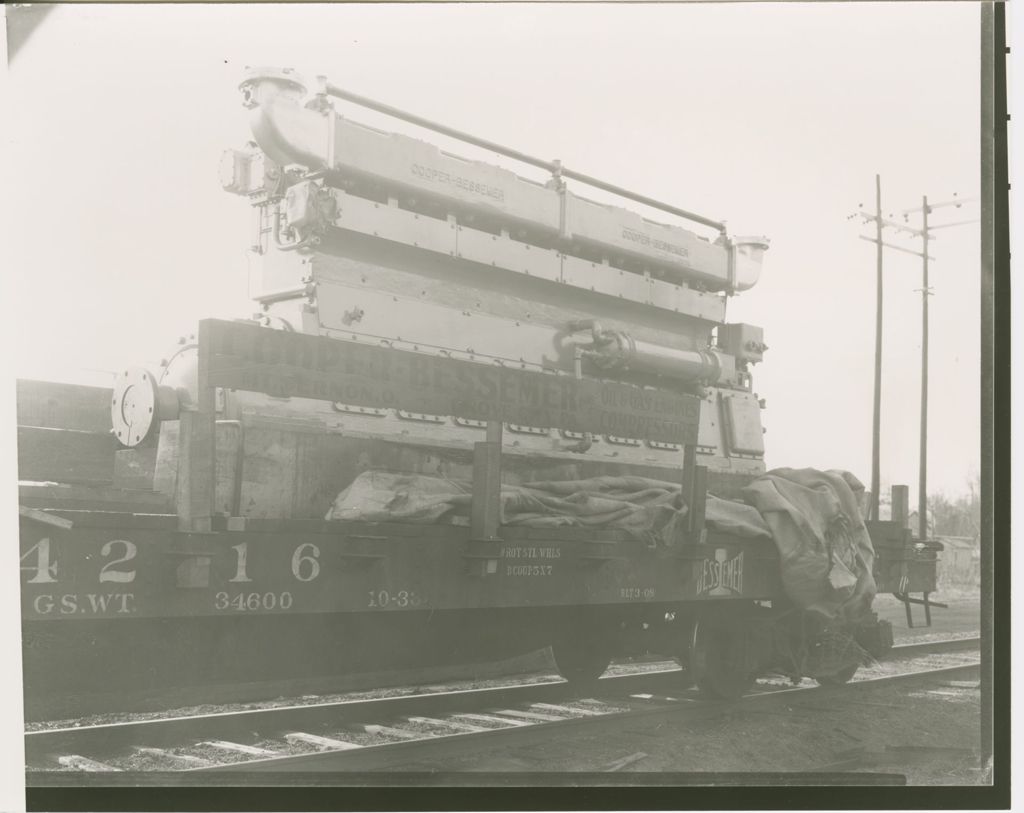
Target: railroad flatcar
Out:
[371,472]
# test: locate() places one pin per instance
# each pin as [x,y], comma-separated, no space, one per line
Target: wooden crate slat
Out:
[94,498]
[63,406]
[65,456]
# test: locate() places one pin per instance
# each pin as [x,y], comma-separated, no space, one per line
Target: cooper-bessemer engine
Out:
[371,236]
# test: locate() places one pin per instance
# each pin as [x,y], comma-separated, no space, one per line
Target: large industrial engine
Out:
[375,237]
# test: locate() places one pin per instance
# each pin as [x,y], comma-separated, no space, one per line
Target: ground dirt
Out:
[928,733]
[963,615]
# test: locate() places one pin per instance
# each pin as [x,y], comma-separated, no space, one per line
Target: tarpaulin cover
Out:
[812,516]
[825,550]
[645,507]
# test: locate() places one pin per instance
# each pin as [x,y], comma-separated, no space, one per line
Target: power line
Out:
[926,236]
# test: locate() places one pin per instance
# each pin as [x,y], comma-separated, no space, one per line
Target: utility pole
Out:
[922,481]
[926,236]
[876,420]
[925,233]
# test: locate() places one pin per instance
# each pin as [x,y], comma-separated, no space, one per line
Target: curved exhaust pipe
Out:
[283,128]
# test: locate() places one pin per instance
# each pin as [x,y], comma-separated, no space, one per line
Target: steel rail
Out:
[554,167]
[383,756]
[937,645]
[505,693]
[159,731]
[377,757]
[100,740]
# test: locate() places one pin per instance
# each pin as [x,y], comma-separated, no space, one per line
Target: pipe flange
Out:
[133,411]
[262,83]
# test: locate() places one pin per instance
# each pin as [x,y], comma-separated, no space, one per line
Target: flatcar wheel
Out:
[580,662]
[839,678]
[718,662]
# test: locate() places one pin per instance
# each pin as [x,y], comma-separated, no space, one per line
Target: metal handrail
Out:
[554,167]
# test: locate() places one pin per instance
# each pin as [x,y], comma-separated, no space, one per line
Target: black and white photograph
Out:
[487,395]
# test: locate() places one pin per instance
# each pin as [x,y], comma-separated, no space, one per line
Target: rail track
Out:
[368,734]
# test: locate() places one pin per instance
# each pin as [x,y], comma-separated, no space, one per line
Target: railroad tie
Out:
[251,750]
[80,763]
[164,754]
[323,743]
[490,718]
[532,715]
[395,732]
[567,710]
[663,698]
[468,727]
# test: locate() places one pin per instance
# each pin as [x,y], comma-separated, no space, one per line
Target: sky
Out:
[774,118]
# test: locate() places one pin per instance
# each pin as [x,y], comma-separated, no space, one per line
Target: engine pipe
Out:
[616,349]
[309,240]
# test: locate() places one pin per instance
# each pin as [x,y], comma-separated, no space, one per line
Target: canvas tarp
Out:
[813,518]
[824,548]
[645,507]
